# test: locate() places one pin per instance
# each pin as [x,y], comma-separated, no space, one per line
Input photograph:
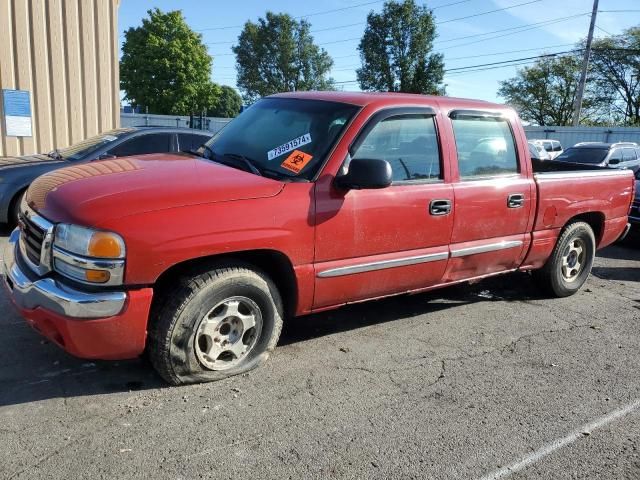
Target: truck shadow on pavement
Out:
[33,369]
[627,252]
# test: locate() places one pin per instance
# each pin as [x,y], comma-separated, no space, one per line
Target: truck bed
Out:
[556,166]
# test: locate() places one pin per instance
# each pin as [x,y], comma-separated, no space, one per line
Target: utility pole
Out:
[577,106]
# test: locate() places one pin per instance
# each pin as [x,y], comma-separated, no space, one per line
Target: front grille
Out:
[32,238]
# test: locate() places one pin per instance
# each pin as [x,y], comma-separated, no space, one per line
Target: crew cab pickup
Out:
[305,202]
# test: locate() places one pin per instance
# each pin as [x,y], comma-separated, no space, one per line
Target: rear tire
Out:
[214,325]
[570,263]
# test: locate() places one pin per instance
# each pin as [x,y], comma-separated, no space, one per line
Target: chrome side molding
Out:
[491,247]
[404,262]
[383,264]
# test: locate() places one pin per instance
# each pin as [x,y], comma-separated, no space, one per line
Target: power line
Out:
[528,26]
[515,30]
[547,55]
[436,23]
[488,12]
[364,23]
[299,16]
[351,67]
[325,12]
[603,30]
[504,35]
[505,63]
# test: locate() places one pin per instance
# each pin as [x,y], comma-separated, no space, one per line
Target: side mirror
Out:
[106,156]
[366,174]
[614,161]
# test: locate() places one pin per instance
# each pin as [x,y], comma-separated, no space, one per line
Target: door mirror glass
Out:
[366,174]
[614,161]
[106,156]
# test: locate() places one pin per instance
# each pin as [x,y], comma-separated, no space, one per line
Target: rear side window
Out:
[408,142]
[141,145]
[628,154]
[485,146]
[188,141]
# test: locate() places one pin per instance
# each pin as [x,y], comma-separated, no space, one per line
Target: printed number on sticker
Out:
[290,145]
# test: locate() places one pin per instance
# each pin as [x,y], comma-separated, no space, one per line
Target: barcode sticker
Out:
[289,146]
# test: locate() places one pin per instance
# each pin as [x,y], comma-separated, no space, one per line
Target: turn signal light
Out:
[97,276]
[104,245]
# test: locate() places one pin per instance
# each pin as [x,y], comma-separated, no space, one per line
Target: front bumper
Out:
[97,325]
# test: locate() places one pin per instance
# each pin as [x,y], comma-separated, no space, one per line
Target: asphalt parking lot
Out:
[489,380]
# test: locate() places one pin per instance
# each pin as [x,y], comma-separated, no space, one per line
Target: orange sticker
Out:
[296,161]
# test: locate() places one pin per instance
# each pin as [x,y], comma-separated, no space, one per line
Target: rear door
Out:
[372,243]
[494,196]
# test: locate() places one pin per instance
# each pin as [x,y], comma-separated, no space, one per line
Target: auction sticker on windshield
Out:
[296,161]
[290,145]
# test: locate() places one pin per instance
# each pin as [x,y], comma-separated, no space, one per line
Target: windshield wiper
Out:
[251,165]
[55,154]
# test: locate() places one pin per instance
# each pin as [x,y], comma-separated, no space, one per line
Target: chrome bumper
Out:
[30,292]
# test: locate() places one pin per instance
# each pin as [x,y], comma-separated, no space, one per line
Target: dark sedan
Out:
[17,173]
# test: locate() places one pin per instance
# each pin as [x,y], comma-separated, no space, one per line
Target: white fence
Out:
[569,136]
[212,124]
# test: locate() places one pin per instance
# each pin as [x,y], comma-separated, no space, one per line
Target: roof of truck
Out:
[393,98]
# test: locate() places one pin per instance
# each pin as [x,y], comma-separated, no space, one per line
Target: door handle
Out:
[440,207]
[515,200]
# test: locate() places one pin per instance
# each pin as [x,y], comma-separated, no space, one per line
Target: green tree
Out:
[544,92]
[615,72]
[165,67]
[227,103]
[396,51]
[277,54]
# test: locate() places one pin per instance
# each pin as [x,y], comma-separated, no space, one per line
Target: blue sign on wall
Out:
[17,113]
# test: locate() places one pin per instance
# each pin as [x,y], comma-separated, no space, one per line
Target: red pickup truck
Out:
[305,202]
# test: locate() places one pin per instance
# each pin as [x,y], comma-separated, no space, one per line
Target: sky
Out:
[470,32]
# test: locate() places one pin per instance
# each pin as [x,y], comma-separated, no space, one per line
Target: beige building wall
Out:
[65,53]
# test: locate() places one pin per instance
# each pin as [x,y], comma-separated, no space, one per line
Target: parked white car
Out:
[553,147]
[539,151]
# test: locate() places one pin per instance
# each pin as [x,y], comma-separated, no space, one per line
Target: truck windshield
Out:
[283,137]
[591,156]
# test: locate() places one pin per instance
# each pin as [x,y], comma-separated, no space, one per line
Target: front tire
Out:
[570,263]
[216,324]
[14,208]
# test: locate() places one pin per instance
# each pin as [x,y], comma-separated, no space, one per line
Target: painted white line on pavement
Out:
[563,442]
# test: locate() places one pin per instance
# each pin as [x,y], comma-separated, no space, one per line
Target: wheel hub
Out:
[227,333]
[573,260]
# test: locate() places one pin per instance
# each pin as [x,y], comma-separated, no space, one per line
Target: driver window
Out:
[410,145]
[616,155]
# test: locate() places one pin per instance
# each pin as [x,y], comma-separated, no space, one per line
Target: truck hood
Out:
[91,193]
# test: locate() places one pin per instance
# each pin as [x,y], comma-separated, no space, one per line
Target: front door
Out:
[494,197]
[371,243]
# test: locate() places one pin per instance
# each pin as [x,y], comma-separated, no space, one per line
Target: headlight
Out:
[88,242]
[87,255]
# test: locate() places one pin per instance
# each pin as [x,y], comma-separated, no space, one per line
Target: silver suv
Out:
[611,155]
